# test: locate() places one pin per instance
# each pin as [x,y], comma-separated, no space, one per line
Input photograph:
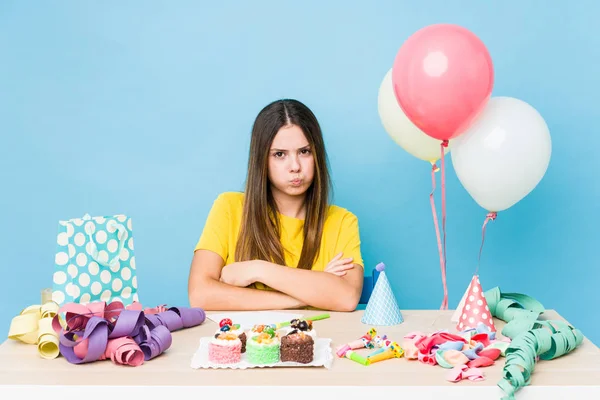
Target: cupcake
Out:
[262,346]
[227,326]
[298,344]
[225,348]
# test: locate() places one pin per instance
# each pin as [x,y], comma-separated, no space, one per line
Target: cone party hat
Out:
[382,308]
[457,313]
[475,309]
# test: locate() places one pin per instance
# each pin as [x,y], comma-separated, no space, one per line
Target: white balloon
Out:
[400,127]
[503,156]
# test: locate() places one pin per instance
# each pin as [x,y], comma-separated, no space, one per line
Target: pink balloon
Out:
[443,77]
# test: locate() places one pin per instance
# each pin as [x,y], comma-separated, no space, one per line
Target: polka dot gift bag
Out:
[95,261]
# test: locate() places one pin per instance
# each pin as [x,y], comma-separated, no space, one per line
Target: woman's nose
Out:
[294,164]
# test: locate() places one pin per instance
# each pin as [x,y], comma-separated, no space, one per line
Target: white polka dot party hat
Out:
[473,308]
[382,308]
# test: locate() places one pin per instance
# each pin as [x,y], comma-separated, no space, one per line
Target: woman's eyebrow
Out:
[301,148]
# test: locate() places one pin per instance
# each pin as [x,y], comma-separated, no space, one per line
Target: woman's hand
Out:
[338,266]
[241,274]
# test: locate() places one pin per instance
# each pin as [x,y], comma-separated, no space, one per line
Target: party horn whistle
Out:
[393,351]
[354,356]
[363,342]
[313,318]
[381,342]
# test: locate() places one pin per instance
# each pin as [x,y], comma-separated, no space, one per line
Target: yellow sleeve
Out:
[349,240]
[215,235]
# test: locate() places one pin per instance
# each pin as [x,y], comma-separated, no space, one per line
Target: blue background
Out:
[145,108]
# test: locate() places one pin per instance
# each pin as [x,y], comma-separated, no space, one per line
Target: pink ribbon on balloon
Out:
[441,245]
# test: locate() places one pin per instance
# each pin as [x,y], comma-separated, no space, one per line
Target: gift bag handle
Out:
[121,235]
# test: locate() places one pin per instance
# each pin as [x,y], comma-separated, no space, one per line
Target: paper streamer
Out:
[34,326]
[125,335]
[532,339]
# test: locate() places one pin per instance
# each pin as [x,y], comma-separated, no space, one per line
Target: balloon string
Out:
[434,168]
[490,217]
[442,147]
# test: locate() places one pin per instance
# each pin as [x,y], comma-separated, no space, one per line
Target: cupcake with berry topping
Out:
[225,348]
[262,346]
[298,344]
[226,325]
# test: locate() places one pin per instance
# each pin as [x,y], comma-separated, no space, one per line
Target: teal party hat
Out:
[382,308]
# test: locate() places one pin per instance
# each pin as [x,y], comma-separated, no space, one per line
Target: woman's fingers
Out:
[338,273]
[337,257]
[341,268]
[334,264]
[338,266]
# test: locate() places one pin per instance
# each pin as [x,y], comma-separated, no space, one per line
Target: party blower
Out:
[354,356]
[313,318]
[386,348]
[364,342]
[392,351]
[382,343]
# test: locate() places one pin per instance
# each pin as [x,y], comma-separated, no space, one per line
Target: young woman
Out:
[280,244]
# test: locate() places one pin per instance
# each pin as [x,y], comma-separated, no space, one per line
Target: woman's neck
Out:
[290,206]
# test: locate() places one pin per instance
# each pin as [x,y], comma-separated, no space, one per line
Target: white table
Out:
[22,370]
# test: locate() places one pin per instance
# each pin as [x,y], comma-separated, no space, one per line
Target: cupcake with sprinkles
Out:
[225,348]
[262,346]
[226,325]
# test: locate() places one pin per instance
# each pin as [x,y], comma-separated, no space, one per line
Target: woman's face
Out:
[291,162]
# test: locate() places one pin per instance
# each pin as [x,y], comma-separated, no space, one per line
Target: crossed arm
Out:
[215,287]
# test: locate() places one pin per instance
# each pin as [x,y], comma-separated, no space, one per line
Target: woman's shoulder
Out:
[231,197]
[230,200]
[338,215]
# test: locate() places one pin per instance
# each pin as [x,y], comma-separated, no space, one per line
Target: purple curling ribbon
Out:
[169,319]
[176,318]
[150,331]
[190,316]
[159,341]
[128,323]
[96,334]
[156,337]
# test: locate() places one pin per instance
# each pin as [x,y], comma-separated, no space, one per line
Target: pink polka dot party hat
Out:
[473,309]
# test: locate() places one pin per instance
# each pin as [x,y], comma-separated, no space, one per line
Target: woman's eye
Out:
[278,154]
[305,151]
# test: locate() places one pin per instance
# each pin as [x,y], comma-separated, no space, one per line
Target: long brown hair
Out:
[260,228]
